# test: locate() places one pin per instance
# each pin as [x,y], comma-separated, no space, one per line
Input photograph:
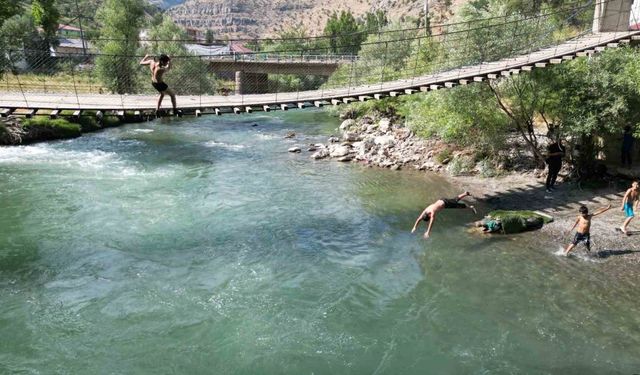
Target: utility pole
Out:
[84,48]
[426,16]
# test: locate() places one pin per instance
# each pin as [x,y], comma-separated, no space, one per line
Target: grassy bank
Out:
[17,131]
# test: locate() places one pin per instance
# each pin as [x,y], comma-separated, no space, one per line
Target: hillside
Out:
[264,18]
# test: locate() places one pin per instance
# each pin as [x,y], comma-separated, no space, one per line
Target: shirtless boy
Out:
[584,224]
[429,213]
[158,68]
[628,202]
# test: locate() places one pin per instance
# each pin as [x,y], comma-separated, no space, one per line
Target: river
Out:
[201,246]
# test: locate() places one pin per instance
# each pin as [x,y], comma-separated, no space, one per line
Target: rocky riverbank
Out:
[383,143]
[17,131]
[388,144]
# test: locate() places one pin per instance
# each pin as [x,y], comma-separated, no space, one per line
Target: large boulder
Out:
[384,140]
[351,137]
[320,154]
[339,151]
[384,125]
[347,125]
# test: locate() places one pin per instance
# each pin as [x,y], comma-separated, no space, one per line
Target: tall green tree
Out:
[374,21]
[46,15]
[8,8]
[344,32]
[117,65]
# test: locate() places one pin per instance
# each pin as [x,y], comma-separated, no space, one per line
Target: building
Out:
[68,47]
[70,42]
[68,31]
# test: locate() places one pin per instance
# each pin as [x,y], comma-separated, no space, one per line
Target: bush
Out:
[87,123]
[487,168]
[62,127]
[460,165]
[57,128]
[110,121]
[443,155]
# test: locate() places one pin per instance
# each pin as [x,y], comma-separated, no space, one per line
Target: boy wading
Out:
[158,68]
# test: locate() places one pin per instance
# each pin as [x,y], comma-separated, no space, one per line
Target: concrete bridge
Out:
[252,69]
[610,30]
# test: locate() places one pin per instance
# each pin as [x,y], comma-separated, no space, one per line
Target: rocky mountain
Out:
[264,18]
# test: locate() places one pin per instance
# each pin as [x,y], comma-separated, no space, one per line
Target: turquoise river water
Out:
[201,246]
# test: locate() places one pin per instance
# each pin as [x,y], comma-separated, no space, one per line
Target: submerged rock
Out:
[321,154]
[295,149]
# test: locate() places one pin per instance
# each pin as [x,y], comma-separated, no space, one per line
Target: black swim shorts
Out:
[583,237]
[452,203]
[160,86]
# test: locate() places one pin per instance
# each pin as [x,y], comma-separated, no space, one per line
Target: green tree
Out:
[23,43]
[8,8]
[344,33]
[596,97]
[208,37]
[46,15]
[374,21]
[117,64]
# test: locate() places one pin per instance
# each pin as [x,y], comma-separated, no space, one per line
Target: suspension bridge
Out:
[532,45]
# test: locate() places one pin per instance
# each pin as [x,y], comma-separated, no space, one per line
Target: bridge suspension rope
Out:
[390,62]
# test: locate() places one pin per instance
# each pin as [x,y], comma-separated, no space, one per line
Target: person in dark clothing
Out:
[627,146]
[555,152]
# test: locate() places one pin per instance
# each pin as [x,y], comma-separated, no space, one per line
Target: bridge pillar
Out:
[251,83]
[612,15]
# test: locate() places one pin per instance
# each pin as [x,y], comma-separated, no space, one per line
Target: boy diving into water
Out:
[158,68]
[584,225]
[429,213]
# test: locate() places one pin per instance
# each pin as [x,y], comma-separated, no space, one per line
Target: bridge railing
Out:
[391,55]
[282,57]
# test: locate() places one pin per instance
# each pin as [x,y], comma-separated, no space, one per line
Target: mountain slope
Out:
[264,18]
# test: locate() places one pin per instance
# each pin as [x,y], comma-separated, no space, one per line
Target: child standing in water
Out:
[630,199]
[158,68]
[584,225]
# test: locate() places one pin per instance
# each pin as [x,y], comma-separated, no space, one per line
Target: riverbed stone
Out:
[345,158]
[384,140]
[320,154]
[351,137]
[339,151]
[347,124]
[384,125]
[295,149]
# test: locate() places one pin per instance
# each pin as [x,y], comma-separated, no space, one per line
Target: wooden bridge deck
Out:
[582,46]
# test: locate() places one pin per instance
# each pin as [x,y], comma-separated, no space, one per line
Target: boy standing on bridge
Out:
[158,68]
